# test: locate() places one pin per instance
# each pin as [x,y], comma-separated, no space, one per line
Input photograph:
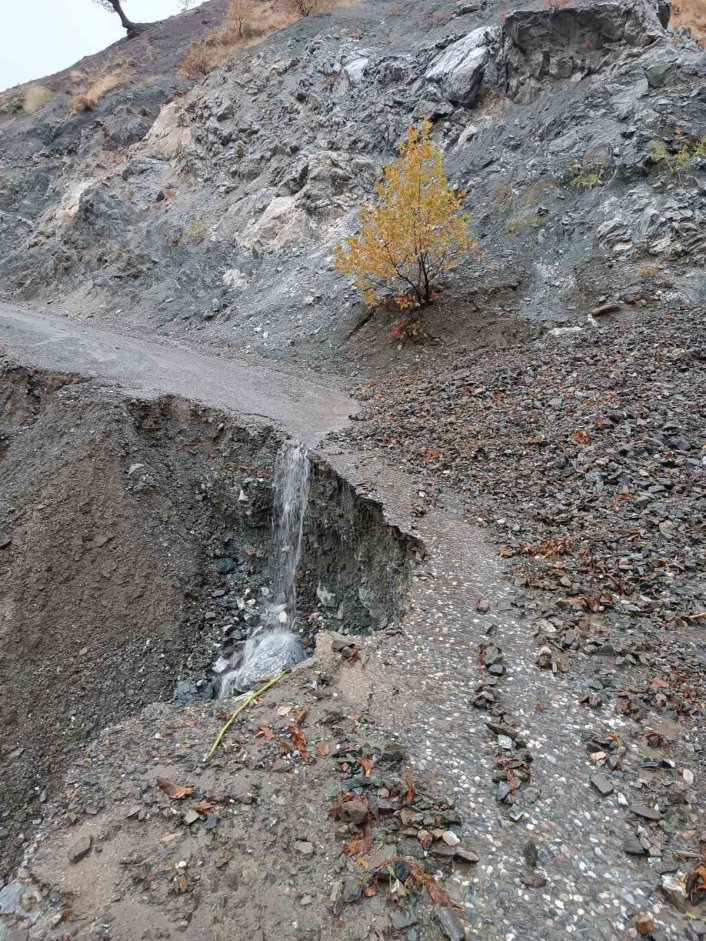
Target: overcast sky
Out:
[39,37]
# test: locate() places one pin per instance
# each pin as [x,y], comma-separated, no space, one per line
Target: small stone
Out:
[633,847]
[466,854]
[503,792]
[211,822]
[80,849]
[190,817]
[403,919]
[505,742]
[533,879]
[483,606]
[354,811]
[304,847]
[531,854]
[644,923]
[307,899]
[352,891]
[675,893]
[5,541]
[450,838]
[280,766]
[394,751]
[133,812]
[544,658]
[643,810]
[450,924]
[602,784]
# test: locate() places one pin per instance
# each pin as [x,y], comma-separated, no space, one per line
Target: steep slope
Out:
[578,132]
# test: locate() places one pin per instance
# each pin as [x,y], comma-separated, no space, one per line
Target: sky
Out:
[39,37]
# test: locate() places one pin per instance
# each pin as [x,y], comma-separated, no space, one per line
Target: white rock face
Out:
[282,223]
[170,133]
[458,71]
[355,71]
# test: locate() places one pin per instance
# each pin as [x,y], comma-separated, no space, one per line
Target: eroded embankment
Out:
[136,538]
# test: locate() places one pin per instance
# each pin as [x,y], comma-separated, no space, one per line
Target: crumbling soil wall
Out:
[116,519]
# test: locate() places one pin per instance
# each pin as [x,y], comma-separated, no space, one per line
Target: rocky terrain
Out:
[498,729]
[576,131]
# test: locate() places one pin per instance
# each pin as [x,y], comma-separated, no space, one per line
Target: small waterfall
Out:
[291,495]
[272,647]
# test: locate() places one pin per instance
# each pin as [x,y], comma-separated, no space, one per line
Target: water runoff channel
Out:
[272,645]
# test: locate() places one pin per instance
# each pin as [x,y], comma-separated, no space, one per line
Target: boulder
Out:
[458,71]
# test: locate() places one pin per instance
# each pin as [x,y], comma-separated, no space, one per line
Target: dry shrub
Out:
[246,23]
[691,13]
[35,98]
[88,100]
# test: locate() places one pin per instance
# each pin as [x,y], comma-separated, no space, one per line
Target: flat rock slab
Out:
[643,810]
[602,784]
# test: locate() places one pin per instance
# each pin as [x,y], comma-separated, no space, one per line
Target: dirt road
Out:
[304,409]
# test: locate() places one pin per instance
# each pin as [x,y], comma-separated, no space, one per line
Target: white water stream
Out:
[272,646]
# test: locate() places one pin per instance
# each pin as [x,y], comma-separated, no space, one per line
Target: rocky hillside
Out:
[578,132]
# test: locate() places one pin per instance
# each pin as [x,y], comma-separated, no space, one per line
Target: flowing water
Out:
[273,646]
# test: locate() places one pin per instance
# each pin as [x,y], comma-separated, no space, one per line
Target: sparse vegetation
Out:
[36,97]
[89,98]
[196,230]
[246,22]
[691,13]
[589,172]
[678,159]
[415,233]
[11,109]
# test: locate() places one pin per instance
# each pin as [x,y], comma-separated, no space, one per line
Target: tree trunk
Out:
[132,28]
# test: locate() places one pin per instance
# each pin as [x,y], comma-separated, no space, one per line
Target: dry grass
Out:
[245,24]
[691,13]
[88,99]
[35,98]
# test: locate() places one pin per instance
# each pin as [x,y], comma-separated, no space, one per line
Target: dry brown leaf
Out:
[366,766]
[301,716]
[284,710]
[322,749]
[203,807]
[264,733]
[176,792]
[353,847]
[409,796]
[299,740]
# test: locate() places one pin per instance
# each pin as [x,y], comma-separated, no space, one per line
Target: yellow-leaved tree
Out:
[415,233]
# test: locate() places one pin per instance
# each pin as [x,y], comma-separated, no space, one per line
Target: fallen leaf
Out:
[264,733]
[409,796]
[438,895]
[192,725]
[301,716]
[284,710]
[203,807]
[353,847]
[176,792]
[182,883]
[284,747]
[299,740]
[370,890]
[322,749]
[366,766]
